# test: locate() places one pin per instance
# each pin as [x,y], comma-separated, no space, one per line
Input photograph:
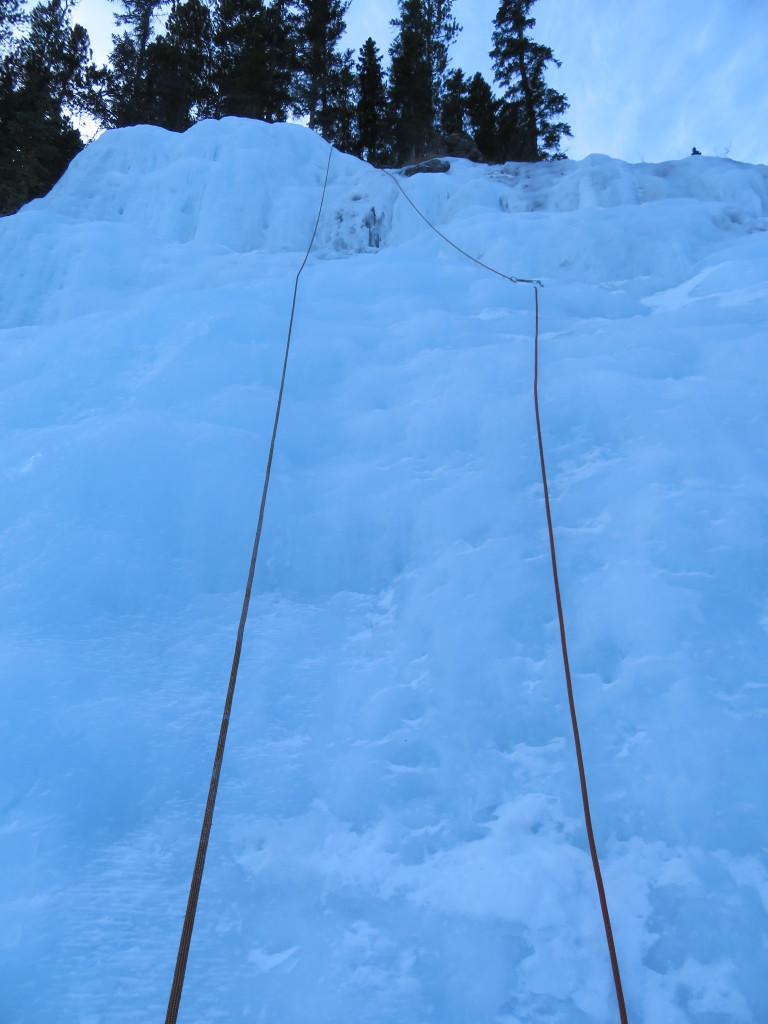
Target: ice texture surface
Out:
[399,837]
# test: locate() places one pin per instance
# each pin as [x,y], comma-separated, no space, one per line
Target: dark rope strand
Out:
[561,618]
[197,874]
[571,701]
[453,245]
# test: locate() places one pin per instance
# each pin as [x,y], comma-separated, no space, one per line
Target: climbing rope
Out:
[571,700]
[561,618]
[453,245]
[205,832]
[197,874]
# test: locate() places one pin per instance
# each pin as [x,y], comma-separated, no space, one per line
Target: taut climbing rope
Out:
[194,891]
[205,832]
[571,701]
[453,245]
[561,618]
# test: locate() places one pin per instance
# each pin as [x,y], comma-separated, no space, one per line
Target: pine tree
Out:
[281,26]
[324,73]
[129,91]
[371,109]
[12,17]
[513,139]
[529,106]
[453,116]
[342,111]
[410,85]
[442,29]
[419,60]
[179,68]
[241,68]
[255,59]
[482,117]
[46,80]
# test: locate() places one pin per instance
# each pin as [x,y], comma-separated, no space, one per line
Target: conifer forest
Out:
[275,60]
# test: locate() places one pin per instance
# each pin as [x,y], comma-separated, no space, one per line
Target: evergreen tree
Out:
[180,68]
[410,85]
[281,60]
[419,59]
[529,107]
[324,78]
[453,117]
[343,107]
[241,46]
[255,61]
[45,80]
[129,91]
[482,117]
[442,29]
[12,17]
[371,109]
[513,138]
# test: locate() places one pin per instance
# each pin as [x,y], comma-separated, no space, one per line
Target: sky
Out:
[645,81]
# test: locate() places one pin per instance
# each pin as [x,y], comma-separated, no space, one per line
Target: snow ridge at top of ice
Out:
[249,185]
[141,200]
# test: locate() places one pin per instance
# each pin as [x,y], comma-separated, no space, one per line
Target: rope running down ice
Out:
[453,245]
[560,615]
[197,874]
[571,700]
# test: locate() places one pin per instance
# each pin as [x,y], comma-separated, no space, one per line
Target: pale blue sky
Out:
[646,81]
